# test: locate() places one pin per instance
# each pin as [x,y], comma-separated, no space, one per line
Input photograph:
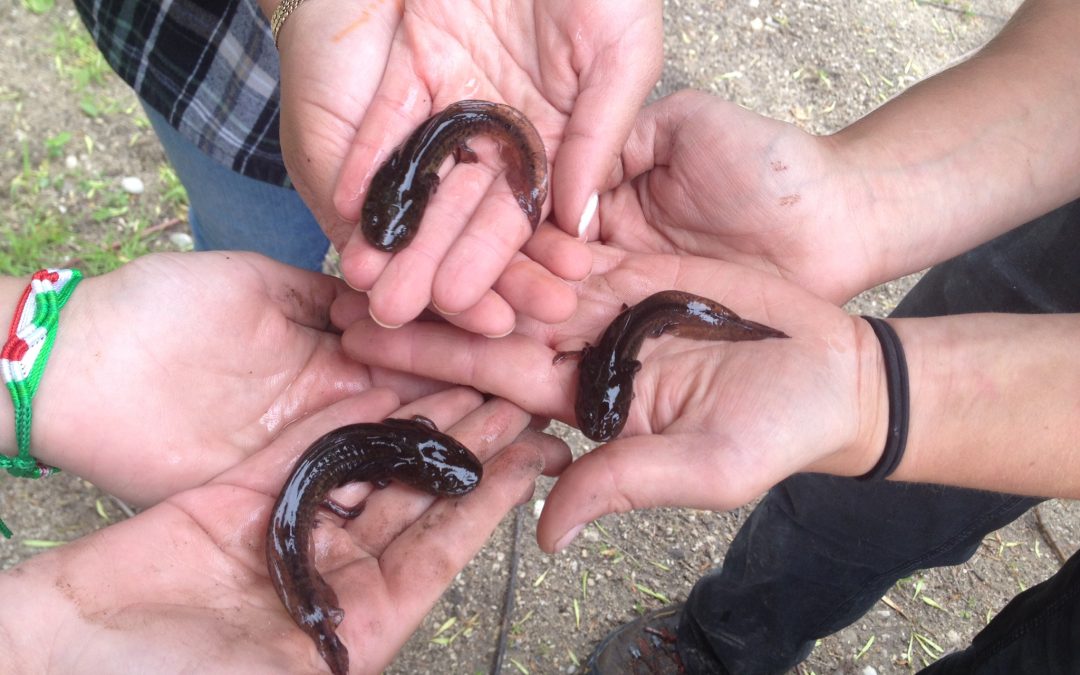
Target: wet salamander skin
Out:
[607,369]
[400,190]
[411,451]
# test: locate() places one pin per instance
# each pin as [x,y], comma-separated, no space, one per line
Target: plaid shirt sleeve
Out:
[210,68]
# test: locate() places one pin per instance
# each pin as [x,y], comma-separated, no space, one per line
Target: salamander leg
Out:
[337,614]
[463,153]
[343,511]
[420,419]
[572,354]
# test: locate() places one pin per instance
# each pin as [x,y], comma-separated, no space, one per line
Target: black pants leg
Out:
[819,551]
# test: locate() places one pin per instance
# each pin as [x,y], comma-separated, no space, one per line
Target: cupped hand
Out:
[183,586]
[176,367]
[711,425]
[358,79]
[704,176]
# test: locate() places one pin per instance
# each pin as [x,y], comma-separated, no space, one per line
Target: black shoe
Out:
[645,646]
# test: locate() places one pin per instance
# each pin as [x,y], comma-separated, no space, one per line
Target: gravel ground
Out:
[819,65]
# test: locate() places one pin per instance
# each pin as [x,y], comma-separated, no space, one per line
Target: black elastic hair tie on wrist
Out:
[896,380]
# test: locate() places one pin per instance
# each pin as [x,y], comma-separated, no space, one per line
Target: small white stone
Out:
[132,185]
[71,161]
[538,507]
[757,24]
[182,241]
[869,670]
[755,3]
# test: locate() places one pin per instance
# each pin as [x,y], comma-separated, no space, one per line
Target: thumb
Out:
[639,472]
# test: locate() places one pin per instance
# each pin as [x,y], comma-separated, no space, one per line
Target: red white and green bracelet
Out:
[22,361]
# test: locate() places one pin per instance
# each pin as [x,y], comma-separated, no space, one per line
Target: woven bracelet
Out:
[22,360]
[896,380]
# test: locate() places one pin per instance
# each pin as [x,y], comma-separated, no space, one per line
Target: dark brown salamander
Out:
[607,369]
[411,451]
[400,190]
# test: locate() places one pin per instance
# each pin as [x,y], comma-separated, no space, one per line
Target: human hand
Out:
[176,367]
[703,176]
[184,586]
[712,424]
[578,71]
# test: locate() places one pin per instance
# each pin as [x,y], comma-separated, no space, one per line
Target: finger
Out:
[445,408]
[565,256]
[492,317]
[426,557]
[515,367]
[407,386]
[588,159]
[399,105]
[352,306]
[405,288]
[348,308]
[361,264]
[478,256]
[535,292]
[418,566]
[556,451]
[643,472]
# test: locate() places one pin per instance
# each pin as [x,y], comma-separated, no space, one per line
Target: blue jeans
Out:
[819,551]
[230,211]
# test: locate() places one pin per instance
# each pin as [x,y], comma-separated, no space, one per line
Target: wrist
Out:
[885,196]
[860,449]
[62,393]
[36,317]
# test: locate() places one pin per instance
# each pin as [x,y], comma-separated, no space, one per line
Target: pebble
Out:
[538,506]
[182,241]
[71,162]
[132,185]
[869,670]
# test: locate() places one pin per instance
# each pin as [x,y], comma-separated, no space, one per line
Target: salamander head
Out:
[388,225]
[603,407]
[448,468]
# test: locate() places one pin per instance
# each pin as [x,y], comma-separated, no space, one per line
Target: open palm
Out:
[358,79]
[176,367]
[183,586]
[703,176]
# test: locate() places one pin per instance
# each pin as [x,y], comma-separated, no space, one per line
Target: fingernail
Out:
[501,335]
[384,325]
[587,216]
[353,286]
[442,311]
[568,537]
